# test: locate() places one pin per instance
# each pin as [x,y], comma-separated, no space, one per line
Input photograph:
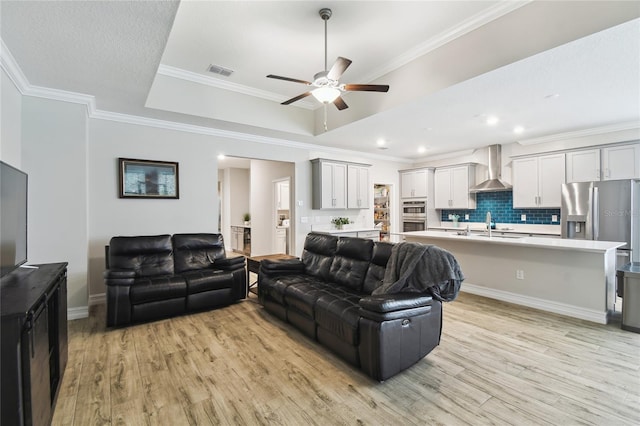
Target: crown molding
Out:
[610,128]
[465,27]
[229,134]
[15,74]
[218,83]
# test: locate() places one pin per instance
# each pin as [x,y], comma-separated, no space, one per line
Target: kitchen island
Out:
[569,277]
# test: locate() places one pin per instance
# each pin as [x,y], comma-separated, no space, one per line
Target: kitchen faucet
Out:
[488,220]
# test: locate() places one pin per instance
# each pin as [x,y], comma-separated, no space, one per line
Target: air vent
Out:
[217,69]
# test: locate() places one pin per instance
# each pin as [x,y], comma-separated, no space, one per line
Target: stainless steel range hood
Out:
[494,183]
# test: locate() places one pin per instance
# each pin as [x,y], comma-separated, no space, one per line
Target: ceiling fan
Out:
[327,88]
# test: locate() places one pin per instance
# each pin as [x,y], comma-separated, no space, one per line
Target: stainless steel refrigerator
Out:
[605,211]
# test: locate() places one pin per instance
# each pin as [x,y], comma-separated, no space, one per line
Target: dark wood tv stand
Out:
[34,342]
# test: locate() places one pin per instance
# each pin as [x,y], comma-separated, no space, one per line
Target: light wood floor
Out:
[496,364]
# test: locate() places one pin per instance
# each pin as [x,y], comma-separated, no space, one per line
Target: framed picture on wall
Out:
[147,179]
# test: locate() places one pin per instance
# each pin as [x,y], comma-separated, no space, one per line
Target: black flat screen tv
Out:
[13,218]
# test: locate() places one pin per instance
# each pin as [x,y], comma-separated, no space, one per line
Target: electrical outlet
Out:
[523,217]
[519,274]
[554,218]
[466,217]
[304,219]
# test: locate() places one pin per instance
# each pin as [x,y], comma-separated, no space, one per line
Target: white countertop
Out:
[345,230]
[537,242]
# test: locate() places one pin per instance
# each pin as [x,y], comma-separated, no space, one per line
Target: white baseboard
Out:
[97,299]
[534,302]
[78,313]
[83,311]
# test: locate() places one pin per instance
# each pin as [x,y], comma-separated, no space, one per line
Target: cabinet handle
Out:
[597,174]
[606,172]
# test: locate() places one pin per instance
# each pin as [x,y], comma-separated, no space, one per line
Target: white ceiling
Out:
[449,65]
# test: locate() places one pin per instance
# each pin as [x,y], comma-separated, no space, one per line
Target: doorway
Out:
[251,190]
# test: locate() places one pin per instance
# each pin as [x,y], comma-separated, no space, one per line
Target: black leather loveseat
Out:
[151,277]
[327,295]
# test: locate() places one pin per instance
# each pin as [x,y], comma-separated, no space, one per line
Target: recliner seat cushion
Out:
[275,288]
[197,251]
[151,289]
[302,296]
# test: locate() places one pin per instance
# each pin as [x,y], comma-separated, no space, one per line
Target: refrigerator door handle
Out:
[596,213]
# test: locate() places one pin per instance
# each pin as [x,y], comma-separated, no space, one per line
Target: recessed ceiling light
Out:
[221,157]
[518,130]
[422,150]
[492,120]
[381,142]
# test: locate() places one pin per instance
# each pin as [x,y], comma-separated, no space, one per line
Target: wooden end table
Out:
[253,265]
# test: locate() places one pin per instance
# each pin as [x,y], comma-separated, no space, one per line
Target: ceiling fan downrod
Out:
[325,14]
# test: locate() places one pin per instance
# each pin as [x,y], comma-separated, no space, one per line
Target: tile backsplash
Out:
[500,204]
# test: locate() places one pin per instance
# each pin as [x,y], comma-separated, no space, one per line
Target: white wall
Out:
[195,211]
[239,195]
[54,153]
[10,122]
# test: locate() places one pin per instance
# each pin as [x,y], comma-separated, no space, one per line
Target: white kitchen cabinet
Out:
[283,196]
[280,243]
[583,166]
[621,162]
[414,183]
[329,180]
[372,235]
[537,181]
[357,186]
[452,187]
[237,239]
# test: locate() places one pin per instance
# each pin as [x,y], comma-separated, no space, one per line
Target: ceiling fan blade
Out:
[366,87]
[295,80]
[340,103]
[338,68]
[297,98]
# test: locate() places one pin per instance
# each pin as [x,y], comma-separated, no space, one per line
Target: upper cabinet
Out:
[414,183]
[537,181]
[357,186]
[621,162]
[339,185]
[452,187]
[608,163]
[583,166]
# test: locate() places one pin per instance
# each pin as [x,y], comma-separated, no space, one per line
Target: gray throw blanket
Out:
[419,268]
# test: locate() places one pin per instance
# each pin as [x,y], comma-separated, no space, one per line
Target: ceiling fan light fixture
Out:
[326,95]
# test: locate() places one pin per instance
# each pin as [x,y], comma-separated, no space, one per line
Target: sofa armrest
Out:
[119,276]
[229,263]
[281,266]
[386,307]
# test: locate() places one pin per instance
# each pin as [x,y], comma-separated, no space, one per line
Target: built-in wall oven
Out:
[414,215]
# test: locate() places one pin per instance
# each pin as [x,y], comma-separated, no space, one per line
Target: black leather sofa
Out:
[151,277]
[327,295]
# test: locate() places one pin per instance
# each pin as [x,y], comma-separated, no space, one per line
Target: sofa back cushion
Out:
[318,253]
[377,266]
[197,251]
[147,256]
[351,261]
